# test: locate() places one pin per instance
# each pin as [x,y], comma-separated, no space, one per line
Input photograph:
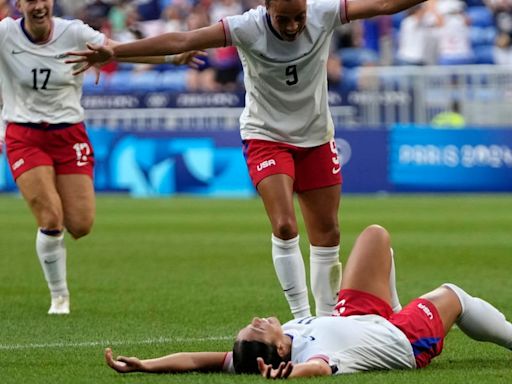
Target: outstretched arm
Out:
[163,45]
[175,363]
[364,9]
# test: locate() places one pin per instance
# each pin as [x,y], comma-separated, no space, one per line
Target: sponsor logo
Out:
[82,151]
[18,164]
[427,311]
[340,307]
[15,52]
[265,164]
[336,170]
[61,56]
[50,262]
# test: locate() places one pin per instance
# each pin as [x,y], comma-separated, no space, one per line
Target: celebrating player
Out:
[363,333]
[286,126]
[48,150]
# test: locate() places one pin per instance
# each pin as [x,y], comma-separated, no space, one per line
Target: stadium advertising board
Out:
[211,163]
[426,159]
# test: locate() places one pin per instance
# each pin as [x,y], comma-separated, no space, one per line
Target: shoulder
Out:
[325,12]
[8,22]
[322,6]
[248,26]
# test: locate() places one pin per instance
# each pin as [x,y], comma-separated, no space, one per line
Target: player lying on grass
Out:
[363,334]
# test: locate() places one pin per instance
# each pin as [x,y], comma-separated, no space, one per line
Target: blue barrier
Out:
[428,159]
[407,158]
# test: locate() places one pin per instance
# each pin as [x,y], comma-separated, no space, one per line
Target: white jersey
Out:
[350,344]
[37,86]
[286,81]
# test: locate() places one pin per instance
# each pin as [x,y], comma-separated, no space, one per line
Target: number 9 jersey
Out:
[37,85]
[286,81]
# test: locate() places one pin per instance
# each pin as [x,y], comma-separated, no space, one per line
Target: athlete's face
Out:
[288,17]
[266,330]
[38,15]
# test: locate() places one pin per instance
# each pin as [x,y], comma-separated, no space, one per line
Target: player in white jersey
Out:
[286,126]
[47,147]
[363,333]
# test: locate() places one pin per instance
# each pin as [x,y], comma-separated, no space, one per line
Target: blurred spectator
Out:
[502,11]
[96,15]
[117,15]
[415,39]
[148,9]
[454,46]
[175,16]
[449,119]
[6,9]
[202,79]
[225,61]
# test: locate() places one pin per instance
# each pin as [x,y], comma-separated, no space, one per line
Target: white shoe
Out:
[60,306]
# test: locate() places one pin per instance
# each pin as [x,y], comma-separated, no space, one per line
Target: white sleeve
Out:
[242,30]
[3,31]
[228,363]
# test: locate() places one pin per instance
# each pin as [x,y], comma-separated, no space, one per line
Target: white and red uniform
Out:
[364,334]
[286,125]
[40,94]
[286,81]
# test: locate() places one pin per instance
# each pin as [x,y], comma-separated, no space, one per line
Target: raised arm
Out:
[364,9]
[175,363]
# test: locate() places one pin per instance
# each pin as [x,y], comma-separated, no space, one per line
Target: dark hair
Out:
[245,354]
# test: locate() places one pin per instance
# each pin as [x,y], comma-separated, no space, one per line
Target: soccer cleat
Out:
[60,306]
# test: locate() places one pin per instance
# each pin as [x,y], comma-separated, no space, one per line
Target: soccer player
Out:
[47,147]
[286,127]
[363,333]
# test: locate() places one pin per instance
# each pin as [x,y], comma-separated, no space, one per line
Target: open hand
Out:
[123,364]
[95,55]
[192,58]
[282,372]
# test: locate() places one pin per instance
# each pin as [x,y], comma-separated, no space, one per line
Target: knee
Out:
[285,229]
[48,215]
[377,233]
[79,229]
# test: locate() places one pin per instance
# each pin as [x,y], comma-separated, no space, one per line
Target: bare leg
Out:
[78,201]
[369,264]
[276,191]
[39,190]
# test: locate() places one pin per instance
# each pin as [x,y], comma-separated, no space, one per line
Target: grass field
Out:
[159,276]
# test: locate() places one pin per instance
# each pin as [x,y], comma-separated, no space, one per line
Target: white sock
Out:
[52,255]
[289,267]
[325,277]
[481,321]
[395,301]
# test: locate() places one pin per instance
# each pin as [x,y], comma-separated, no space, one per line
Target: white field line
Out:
[107,343]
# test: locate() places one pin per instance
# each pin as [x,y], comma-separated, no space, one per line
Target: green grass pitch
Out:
[164,275]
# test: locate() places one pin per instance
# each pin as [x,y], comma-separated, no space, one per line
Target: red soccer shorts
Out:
[310,168]
[419,321]
[66,147]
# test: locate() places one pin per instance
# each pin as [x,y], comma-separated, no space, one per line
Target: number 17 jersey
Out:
[37,85]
